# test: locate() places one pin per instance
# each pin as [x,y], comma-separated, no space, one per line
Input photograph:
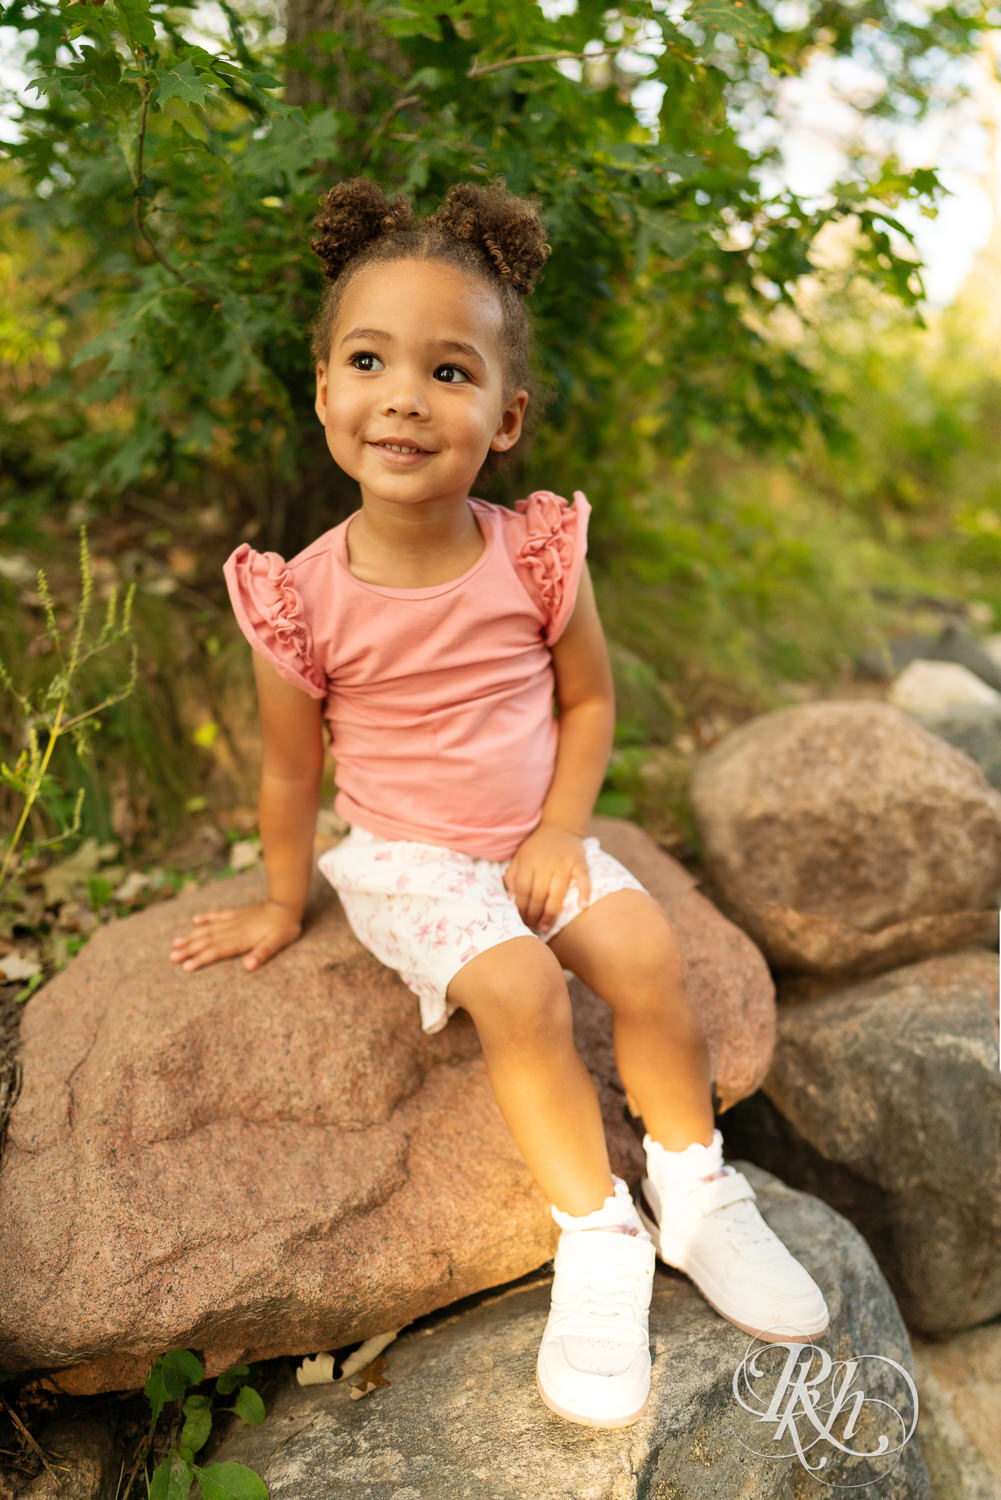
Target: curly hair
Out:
[486,231]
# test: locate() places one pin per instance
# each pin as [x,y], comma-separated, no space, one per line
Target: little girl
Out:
[433,633]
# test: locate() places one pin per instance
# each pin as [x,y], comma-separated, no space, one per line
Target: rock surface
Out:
[885,1100]
[951,644]
[845,838]
[83,1463]
[928,686]
[975,729]
[461,1419]
[959,1385]
[254,1165]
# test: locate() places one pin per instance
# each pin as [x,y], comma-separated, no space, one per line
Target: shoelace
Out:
[742,1221]
[615,1300]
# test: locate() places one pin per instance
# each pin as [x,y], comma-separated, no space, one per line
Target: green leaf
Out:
[249,1407]
[99,892]
[184,120]
[171,1479]
[613,804]
[182,83]
[170,1378]
[230,1482]
[197,1425]
[231,1378]
[137,24]
[736,18]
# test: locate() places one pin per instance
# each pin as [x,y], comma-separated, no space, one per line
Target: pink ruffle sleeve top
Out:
[439,701]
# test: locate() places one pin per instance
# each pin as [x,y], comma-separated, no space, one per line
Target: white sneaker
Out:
[594,1362]
[712,1231]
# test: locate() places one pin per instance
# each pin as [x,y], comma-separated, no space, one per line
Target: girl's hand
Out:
[260,931]
[541,871]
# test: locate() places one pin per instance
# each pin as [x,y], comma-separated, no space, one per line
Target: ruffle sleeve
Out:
[551,555]
[269,610]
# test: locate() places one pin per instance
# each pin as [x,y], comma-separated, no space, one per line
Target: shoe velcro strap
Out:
[722,1191]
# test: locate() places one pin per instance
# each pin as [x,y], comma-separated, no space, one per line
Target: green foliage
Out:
[184,177]
[50,715]
[175,1378]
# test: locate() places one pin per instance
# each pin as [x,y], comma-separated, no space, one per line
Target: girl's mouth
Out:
[399,447]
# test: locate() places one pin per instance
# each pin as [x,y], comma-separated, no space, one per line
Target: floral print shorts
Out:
[426,911]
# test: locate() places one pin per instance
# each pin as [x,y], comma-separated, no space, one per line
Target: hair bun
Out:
[353,214]
[506,229]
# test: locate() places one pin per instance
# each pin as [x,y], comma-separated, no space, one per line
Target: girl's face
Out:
[413,395]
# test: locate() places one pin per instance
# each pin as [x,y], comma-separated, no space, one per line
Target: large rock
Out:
[952,644]
[83,1462]
[885,1099]
[254,1165]
[959,1383]
[847,839]
[930,686]
[461,1420]
[975,729]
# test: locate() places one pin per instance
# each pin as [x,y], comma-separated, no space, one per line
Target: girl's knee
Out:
[641,956]
[654,958]
[515,991]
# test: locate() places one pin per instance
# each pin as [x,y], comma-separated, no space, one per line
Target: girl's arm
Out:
[291,772]
[552,856]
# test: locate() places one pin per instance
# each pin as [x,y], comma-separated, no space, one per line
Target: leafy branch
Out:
[480,70]
[137,198]
[48,713]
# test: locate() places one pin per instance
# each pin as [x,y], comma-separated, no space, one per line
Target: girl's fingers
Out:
[553,905]
[542,889]
[261,952]
[582,880]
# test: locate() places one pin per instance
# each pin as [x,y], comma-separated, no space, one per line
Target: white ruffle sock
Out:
[617,1212]
[695,1162]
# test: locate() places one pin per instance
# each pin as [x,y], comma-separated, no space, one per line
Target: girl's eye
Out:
[450,374]
[366,361]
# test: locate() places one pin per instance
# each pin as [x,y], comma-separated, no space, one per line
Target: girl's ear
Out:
[511,419]
[321,392]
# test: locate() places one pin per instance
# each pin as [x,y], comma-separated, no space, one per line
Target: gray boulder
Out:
[83,1462]
[952,644]
[885,1099]
[461,1419]
[975,729]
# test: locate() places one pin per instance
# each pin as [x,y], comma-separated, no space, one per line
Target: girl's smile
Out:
[413,395]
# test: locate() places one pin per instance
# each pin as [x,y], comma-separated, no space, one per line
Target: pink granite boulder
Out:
[278,1163]
[848,840]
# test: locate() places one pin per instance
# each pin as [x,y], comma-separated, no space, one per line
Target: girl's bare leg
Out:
[623,949]
[518,999]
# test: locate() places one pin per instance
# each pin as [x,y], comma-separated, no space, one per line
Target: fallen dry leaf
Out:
[366,1352]
[134,886]
[316,1370]
[369,1379]
[74,916]
[62,881]
[244,855]
[18,966]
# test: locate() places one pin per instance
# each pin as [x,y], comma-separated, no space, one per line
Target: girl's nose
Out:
[408,400]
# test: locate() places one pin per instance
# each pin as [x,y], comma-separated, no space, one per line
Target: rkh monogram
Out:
[813,1401]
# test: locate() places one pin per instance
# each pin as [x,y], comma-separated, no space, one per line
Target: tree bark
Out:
[324,40]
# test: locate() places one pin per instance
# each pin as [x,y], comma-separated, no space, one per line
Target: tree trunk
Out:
[325,40]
